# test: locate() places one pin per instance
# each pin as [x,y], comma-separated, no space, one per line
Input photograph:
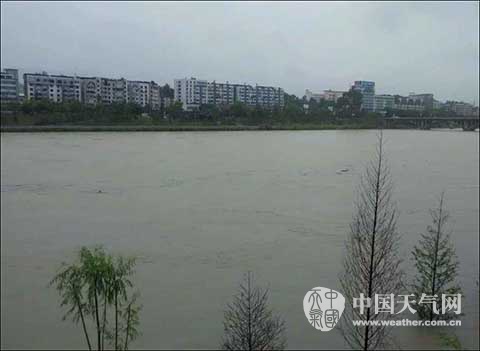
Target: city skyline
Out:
[428,47]
[220,81]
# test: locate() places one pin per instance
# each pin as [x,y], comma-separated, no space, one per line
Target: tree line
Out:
[45,112]
[347,109]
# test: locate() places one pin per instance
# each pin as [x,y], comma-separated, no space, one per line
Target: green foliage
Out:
[349,105]
[175,110]
[45,112]
[95,286]
[436,264]
[451,341]
[166,91]
[323,113]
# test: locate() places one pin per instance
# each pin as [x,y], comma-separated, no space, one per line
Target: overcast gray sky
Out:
[404,47]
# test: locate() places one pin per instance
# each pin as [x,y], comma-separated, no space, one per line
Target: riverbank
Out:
[175,128]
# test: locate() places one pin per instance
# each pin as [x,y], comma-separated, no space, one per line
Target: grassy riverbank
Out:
[178,128]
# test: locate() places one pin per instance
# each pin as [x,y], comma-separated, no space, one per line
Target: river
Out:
[199,209]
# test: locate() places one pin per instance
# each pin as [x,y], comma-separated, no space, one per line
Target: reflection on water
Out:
[200,209]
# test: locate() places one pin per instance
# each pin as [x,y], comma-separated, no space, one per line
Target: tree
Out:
[350,103]
[166,91]
[436,264]
[175,110]
[119,283]
[248,322]
[95,283]
[239,110]
[69,284]
[371,264]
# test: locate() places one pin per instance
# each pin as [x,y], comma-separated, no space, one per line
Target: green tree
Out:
[436,264]
[69,283]
[93,285]
[166,91]
[175,110]
[349,105]
[239,110]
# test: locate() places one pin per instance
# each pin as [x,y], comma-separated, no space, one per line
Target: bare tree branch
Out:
[248,322]
[371,264]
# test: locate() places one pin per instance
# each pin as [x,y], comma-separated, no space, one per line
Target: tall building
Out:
[368,94]
[193,93]
[56,88]
[9,86]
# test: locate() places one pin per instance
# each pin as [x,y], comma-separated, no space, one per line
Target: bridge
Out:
[466,123]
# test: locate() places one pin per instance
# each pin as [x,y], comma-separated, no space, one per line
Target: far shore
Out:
[170,128]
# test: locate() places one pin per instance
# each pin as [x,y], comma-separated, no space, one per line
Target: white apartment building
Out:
[327,95]
[192,93]
[311,95]
[103,90]
[9,86]
[92,90]
[107,91]
[139,92]
[155,98]
[384,102]
[460,108]
[56,88]
[333,95]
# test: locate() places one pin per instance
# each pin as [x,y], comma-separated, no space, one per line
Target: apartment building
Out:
[155,96]
[384,102]
[56,88]
[103,90]
[437,105]
[367,89]
[117,89]
[460,108]
[9,85]
[414,102]
[425,100]
[332,95]
[311,95]
[139,92]
[192,93]
[92,90]
[327,95]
